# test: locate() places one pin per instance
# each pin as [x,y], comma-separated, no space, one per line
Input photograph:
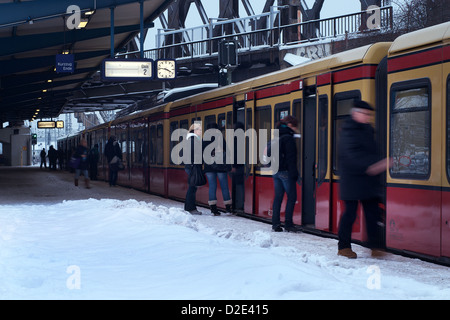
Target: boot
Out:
[347,252]
[76,182]
[214,210]
[86,183]
[228,208]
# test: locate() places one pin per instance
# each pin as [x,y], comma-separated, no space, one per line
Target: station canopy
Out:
[40,38]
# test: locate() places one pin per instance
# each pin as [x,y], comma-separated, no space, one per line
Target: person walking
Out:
[216,171]
[359,165]
[194,139]
[43,156]
[82,152]
[285,180]
[113,155]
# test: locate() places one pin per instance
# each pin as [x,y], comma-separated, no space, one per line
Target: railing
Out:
[264,30]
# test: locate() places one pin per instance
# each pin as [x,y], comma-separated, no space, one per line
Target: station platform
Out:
[20,185]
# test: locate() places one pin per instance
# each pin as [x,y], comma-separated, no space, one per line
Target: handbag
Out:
[196,176]
[74,162]
[116,164]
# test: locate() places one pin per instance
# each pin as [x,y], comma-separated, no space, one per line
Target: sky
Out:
[331,8]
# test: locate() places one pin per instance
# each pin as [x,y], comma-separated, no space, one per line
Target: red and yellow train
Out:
[408,82]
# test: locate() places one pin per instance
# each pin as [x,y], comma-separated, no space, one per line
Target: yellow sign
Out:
[60,124]
[46,124]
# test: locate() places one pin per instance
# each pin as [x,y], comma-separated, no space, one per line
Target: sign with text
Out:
[126,69]
[65,63]
[50,124]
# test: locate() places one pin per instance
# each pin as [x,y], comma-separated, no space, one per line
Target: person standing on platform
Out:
[359,165]
[194,139]
[219,171]
[285,180]
[82,152]
[112,150]
[52,157]
[43,155]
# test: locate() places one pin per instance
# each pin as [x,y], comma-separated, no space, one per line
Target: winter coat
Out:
[219,153]
[112,149]
[196,145]
[82,153]
[288,152]
[357,151]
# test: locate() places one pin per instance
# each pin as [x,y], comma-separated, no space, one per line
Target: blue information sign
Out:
[65,63]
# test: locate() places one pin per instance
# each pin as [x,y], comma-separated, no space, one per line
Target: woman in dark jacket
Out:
[286,178]
[359,165]
[216,171]
[196,159]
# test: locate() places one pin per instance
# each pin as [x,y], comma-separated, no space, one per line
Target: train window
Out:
[410,132]
[208,121]
[173,127]
[448,128]
[229,120]
[152,156]
[323,138]
[263,120]
[282,110]
[343,104]
[159,144]
[222,123]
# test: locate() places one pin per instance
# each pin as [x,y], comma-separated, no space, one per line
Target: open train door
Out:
[243,177]
[308,183]
[323,167]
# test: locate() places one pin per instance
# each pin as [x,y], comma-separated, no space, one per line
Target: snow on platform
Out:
[150,248]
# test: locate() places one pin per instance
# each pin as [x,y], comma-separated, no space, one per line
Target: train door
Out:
[323,181]
[308,157]
[243,179]
[445,223]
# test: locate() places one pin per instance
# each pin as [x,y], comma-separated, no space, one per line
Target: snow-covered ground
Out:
[128,249]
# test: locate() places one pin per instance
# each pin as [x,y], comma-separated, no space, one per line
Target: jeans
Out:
[189,203]
[78,172]
[212,181]
[371,212]
[113,177]
[282,183]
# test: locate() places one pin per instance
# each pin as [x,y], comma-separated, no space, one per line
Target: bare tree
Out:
[412,15]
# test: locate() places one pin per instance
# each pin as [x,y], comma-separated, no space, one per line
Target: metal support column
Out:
[112,31]
[142,36]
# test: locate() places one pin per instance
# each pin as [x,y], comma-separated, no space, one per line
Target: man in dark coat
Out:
[359,165]
[112,150]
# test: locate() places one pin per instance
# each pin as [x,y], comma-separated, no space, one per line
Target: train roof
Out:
[369,54]
[420,38]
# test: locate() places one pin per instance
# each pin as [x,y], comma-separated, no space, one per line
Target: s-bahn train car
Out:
[407,81]
[417,193]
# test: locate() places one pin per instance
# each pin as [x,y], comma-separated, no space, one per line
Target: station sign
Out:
[127,70]
[65,63]
[50,124]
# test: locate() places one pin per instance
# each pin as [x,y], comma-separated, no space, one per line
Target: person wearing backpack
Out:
[285,179]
